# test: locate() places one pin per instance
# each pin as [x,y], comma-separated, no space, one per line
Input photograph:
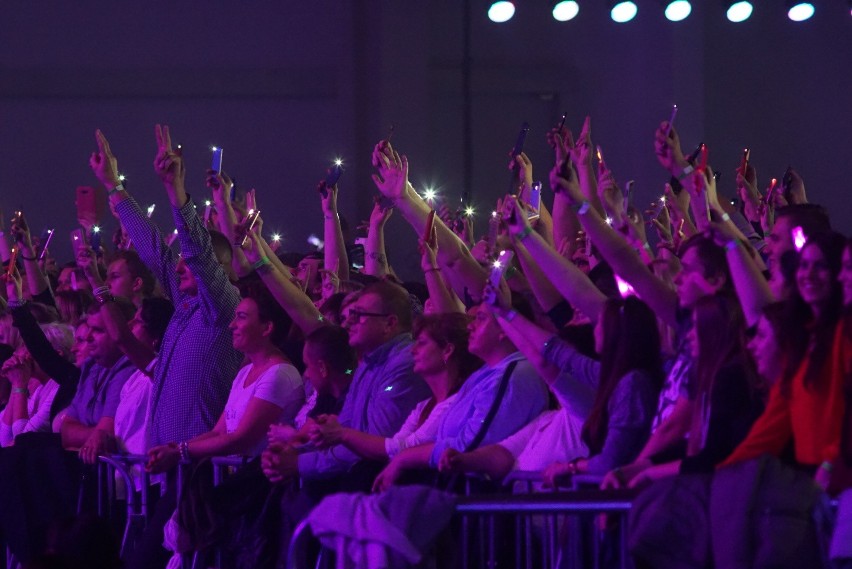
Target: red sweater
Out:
[811,417]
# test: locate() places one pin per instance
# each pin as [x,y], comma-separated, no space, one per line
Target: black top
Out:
[734,407]
[60,370]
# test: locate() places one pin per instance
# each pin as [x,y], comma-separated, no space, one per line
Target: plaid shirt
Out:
[197,362]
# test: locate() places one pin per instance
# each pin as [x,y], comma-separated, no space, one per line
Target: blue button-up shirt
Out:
[384,390]
[99,390]
[524,400]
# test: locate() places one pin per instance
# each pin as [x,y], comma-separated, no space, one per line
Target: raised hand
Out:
[168,164]
[328,199]
[610,194]
[103,162]
[749,194]
[569,185]
[21,233]
[14,285]
[561,141]
[220,185]
[514,215]
[429,251]
[88,261]
[581,151]
[524,167]
[380,215]
[668,150]
[392,176]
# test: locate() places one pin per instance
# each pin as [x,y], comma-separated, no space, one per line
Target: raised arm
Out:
[143,232]
[571,282]
[581,156]
[624,260]
[750,285]
[291,297]
[335,259]
[220,185]
[442,298]
[565,222]
[453,254]
[33,336]
[218,295]
[36,281]
[375,257]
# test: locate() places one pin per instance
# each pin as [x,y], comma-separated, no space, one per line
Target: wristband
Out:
[827,466]
[260,262]
[12,303]
[23,390]
[524,233]
[25,258]
[732,244]
[100,291]
[115,190]
[509,316]
[686,172]
[581,208]
[183,448]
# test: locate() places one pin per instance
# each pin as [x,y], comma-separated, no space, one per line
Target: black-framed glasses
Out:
[357,315]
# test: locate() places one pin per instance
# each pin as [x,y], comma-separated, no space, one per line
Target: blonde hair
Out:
[61,338]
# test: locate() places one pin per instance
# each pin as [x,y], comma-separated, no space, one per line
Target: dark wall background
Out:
[285,87]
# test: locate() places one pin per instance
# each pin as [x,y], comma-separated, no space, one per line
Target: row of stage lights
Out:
[625,10]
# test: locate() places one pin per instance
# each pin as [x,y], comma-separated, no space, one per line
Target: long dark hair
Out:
[806,333]
[631,342]
[720,331]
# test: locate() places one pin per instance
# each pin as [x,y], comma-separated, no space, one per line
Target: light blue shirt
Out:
[631,405]
[384,390]
[524,400]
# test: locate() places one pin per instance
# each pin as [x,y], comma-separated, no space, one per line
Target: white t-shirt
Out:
[280,385]
[552,436]
[38,409]
[133,414]
[411,435]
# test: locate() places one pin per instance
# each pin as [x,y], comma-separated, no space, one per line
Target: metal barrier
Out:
[137,502]
[486,509]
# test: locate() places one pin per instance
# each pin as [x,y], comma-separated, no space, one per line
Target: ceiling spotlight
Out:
[678,10]
[623,11]
[501,11]
[800,11]
[740,11]
[564,10]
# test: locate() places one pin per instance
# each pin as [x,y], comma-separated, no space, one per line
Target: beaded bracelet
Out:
[183,448]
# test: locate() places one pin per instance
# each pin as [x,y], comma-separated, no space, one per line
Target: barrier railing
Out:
[486,509]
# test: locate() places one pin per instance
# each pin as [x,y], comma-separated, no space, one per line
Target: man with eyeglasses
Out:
[384,390]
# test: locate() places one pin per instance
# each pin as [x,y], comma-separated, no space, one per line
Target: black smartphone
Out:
[516,151]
